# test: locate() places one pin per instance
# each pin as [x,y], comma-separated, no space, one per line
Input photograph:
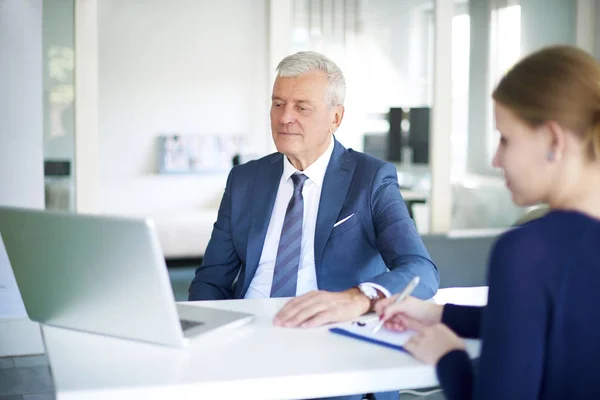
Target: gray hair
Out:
[306,61]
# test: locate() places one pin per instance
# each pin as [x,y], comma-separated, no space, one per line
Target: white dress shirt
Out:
[260,287]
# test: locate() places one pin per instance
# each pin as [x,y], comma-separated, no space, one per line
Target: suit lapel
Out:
[265,189]
[335,187]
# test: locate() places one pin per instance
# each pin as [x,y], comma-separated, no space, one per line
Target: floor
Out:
[30,377]
[180,281]
[25,378]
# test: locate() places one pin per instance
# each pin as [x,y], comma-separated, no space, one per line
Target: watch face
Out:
[368,291]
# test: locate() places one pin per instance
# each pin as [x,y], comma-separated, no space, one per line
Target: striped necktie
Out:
[285,275]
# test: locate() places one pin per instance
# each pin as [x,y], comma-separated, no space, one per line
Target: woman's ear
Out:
[556,140]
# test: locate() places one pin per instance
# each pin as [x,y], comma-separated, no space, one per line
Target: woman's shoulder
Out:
[548,235]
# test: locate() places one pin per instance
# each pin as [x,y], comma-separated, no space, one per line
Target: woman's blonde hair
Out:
[558,83]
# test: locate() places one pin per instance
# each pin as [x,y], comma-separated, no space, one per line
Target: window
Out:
[383,48]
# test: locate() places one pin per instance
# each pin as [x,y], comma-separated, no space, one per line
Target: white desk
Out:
[258,361]
[414,195]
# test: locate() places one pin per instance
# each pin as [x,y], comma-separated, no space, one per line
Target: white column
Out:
[441,119]
[479,91]
[280,32]
[585,24]
[86,106]
[21,152]
[547,22]
[597,29]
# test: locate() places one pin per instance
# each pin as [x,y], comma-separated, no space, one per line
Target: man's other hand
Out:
[318,308]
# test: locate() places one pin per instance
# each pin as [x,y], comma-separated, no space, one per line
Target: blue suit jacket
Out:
[380,235]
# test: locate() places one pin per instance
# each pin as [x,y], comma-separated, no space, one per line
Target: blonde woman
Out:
[541,327]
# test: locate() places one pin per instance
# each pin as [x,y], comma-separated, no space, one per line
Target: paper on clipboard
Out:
[363,331]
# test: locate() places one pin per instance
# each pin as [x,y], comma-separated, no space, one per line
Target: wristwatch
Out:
[371,293]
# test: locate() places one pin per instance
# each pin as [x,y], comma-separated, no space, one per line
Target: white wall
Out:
[183,66]
[21,139]
[21,118]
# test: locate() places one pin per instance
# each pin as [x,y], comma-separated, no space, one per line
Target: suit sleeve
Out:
[397,239]
[455,373]
[465,321]
[221,264]
[514,328]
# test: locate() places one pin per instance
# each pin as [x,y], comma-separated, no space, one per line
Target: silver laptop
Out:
[101,274]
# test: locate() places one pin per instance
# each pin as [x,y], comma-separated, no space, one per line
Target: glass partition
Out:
[489,37]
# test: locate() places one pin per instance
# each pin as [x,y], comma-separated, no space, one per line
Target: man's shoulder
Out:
[253,165]
[366,163]
[364,158]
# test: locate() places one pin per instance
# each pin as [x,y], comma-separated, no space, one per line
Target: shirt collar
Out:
[315,171]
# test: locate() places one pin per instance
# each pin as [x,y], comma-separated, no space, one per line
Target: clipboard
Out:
[362,330]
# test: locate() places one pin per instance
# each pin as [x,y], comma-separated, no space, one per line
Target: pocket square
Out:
[343,220]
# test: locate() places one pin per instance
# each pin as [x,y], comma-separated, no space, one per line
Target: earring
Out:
[550,156]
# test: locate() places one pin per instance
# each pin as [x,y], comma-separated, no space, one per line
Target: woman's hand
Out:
[423,312]
[431,343]
[433,339]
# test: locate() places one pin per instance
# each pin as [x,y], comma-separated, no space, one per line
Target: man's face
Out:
[301,118]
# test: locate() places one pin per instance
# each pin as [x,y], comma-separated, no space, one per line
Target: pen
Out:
[404,294]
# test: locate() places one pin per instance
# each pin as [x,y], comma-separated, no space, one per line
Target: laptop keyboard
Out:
[187,324]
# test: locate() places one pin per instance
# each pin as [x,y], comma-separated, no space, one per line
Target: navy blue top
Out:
[541,327]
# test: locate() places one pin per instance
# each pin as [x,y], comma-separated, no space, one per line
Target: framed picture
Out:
[197,154]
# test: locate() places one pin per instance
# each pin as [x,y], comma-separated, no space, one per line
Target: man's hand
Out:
[317,308]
